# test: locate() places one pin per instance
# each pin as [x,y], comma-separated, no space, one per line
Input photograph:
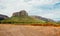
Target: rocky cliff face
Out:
[2,17]
[20,13]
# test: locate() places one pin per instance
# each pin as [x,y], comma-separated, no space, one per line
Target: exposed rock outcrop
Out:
[21,13]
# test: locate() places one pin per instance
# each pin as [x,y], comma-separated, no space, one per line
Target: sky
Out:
[45,8]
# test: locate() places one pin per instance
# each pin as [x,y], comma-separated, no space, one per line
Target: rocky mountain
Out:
[44,19]
[20,13]
[2,17]
[22,17]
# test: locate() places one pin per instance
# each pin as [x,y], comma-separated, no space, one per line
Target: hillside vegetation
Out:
[23,20]
[22,17]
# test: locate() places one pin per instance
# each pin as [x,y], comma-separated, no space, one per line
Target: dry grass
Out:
[28,30]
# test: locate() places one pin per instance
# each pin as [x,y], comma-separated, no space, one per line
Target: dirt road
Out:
[26,30]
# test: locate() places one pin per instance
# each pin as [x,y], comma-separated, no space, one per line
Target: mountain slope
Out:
[44,19]
[23,20]
[22,17]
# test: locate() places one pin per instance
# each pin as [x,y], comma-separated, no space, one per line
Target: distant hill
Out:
[2,17]
[23,18]
[58,22]
[44,19]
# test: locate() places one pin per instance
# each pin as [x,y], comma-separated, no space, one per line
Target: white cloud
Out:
[42,2]
[10,6]
[13,5]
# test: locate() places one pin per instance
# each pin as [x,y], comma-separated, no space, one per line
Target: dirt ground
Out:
[28,30]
